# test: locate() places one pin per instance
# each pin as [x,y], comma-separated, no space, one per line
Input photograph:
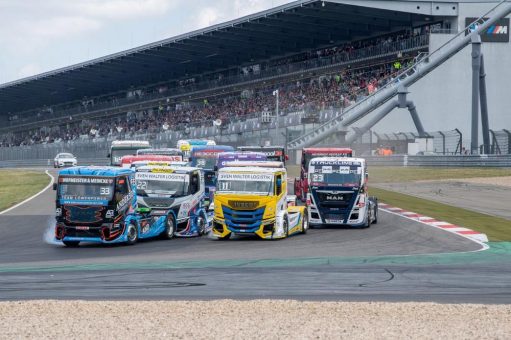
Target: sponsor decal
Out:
[87,180]
[498,32]
[245,177]
[243,204]
[171,177]
[125,200]
[162,170]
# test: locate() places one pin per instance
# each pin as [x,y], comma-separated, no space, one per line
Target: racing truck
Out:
[128,160]
[338,193]
[238,156]
[205,157]
[96,204]
[273,153]
[121,148]
[171,201]
[161,152]
[301,185]
[186,145]
[253,200]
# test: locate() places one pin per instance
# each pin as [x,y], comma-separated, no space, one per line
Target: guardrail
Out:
[396,160]
[28,163]
[442,161]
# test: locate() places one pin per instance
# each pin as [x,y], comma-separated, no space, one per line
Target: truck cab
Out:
[96,204]
[239,156]
[186,145]
[252,200]
[301,185]
[128,160]
[205,158]
[273,153]
[338,193]
[171,201]
[120,148]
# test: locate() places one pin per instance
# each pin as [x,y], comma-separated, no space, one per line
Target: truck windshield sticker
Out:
[245,177]
[158,176]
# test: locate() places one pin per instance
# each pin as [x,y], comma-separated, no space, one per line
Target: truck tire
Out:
[201,224]
[228,236]
[71,244]
[132,234]
[305,221]
[170,228]
[286,227]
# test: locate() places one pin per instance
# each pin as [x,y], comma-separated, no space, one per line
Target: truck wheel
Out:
[201,225]
[368,223]
[302,195]
[375,221]
[132,234]
[170,228]
[305,222]
[226,237]
[71,244]
[285,226]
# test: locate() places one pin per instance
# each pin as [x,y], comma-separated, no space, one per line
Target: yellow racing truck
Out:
[252,200]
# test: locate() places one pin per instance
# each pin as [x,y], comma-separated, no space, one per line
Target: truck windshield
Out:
[174,185]
[205,161]
[308,156]
[340,176]
[257,184]
[86,188]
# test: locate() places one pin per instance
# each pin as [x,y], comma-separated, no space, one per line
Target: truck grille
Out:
[243,220]
[339,200]
[156,202]
[83,214]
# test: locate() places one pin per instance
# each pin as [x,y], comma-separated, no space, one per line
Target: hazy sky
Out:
[42,35]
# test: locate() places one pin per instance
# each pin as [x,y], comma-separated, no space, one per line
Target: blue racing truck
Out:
[96,204]
[171,201]
[338,193]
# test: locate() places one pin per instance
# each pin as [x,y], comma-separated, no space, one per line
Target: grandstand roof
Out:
[291,28]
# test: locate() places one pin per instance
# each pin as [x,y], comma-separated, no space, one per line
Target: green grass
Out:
[17,185]
[497,229]
[389,174]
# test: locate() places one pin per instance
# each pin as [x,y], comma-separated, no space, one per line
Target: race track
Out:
[384,262]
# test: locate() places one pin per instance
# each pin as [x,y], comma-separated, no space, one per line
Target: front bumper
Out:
[264,229]
[106,233]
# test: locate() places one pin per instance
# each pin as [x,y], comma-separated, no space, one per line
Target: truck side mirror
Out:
[108,156]
[54,186]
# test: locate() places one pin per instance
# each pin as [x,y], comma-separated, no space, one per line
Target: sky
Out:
[42,35]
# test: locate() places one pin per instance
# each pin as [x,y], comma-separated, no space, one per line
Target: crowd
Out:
[336,90]
[279,66]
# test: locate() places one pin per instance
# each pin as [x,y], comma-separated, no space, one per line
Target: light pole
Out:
[276,94]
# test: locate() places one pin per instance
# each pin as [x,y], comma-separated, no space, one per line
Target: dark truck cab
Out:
[96,204]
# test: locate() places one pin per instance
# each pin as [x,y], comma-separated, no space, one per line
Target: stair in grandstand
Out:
[407,77]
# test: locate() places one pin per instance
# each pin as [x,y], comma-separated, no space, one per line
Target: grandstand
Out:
[322,56]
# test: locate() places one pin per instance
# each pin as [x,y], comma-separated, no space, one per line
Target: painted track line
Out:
[470,234]
[31,197]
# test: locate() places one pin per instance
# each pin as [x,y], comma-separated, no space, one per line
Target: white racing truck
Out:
[338,193]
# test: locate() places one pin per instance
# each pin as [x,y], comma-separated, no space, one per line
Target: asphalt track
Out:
[395,260]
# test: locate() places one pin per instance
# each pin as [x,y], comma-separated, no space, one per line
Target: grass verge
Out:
[18,185]
[497,229]
[389,174]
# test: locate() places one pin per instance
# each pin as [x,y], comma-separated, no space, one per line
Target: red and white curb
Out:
[452,228]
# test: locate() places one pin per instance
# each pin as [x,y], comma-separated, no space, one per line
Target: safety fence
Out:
[442,161]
